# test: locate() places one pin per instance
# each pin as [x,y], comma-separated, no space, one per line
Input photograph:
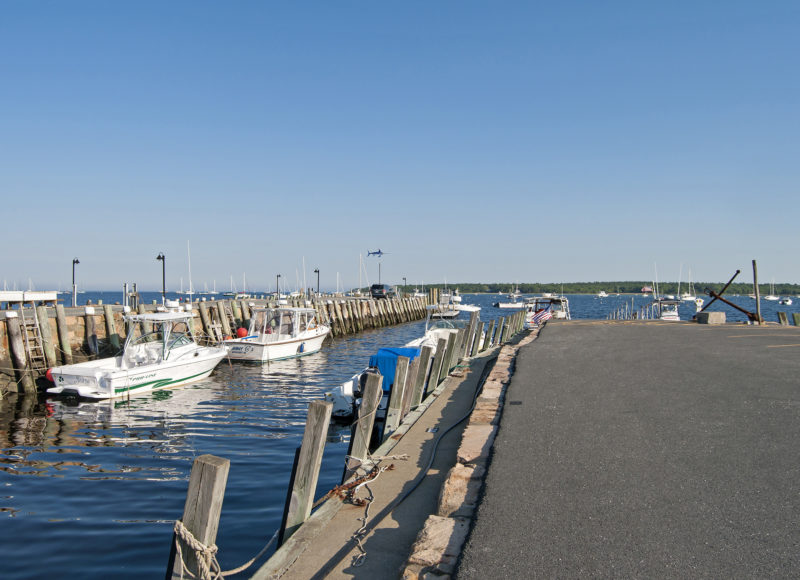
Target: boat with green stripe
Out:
[160,352]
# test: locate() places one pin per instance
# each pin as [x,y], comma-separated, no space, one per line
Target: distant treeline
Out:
[629,287]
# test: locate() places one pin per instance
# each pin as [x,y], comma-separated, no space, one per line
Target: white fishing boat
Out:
[541,308]
[515,303]
[667,309]
[279,333]
[602,294]
[786,301]
[159,352]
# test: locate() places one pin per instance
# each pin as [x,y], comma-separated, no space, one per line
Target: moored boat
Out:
[279,333]
[159,352]
[542,308]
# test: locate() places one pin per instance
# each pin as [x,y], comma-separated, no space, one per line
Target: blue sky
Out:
[472,141]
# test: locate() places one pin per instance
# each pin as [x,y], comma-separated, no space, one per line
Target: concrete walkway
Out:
[332,553]
[645,450]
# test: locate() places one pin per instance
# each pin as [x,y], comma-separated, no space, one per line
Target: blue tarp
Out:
[386,362]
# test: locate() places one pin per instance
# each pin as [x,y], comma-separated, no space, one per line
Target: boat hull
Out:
[104,381]
[251,349]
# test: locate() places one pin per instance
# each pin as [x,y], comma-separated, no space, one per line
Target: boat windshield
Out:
[151,342]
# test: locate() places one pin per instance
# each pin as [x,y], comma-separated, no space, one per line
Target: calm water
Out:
[93,489]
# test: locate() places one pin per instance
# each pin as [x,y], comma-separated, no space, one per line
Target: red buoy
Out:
[49,375]
[241,332]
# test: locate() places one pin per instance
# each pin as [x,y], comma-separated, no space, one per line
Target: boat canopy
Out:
[385,360]
[286,321]
[160,316]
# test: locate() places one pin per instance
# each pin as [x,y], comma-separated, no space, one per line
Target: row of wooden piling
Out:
[416,383]
[69,335]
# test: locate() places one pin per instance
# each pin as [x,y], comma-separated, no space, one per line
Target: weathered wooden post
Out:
[362,428]
[476,341]
[223,318]
[48,344]
[448,356]
[411,382]
[783,319]
[796,318]
[63,335]
[422,374]
[501,326]
[757,293]
[200,513]
[111,331]
[304,483]
[18,357]
[436,369]
[90,334]
[395,410]
[487,341]
[206,320]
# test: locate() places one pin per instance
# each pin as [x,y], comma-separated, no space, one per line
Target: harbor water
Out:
[93,488]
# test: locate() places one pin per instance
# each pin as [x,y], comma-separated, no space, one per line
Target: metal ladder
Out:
[32,336]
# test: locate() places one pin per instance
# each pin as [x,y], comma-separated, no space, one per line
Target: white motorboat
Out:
[667,309]
[602,294]
[786,301]
[159,352]
[279,333]
[541,308]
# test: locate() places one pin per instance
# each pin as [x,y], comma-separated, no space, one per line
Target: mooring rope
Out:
[209,568]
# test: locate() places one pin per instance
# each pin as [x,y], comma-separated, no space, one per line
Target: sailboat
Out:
[689,296]
[772,296]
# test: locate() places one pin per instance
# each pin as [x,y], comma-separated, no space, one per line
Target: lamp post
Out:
[278,286]
[74,286]
[163,259]
[316,271]
[404,284]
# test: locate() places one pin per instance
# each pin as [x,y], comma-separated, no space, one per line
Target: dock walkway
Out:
[645,450]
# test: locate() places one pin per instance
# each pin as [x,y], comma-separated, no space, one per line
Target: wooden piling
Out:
[476,340]
[111,331]
[796,318]
[448,357]
[408,391]
[63,335]
[362,428]
[19,359]
[422,374]
[783,319]
[304,483]
[90,334]
[487,341]
[436,369]
[223,319]
[200,512]
[48,344]
[394,412]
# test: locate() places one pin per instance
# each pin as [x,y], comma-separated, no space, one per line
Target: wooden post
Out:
[237,313]
[457,349]
[796,318]
[91,331]
[395,410]
[63,335]
[470,335]
[411,382]
[783,319]
[201,511]
[756,292]
[476,340]
[422,374]
[304,483]
[18,357]
[362,428]
[498,335]
[48,345]
[223,319]
[487,341]
[111,331]
[448,357]
[438,362]
[204,318]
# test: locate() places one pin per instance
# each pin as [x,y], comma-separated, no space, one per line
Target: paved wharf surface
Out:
[645,450]
[392,530]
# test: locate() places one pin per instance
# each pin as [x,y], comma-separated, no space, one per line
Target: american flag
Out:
[542,315]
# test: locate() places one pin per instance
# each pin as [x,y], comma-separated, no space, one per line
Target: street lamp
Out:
[163,259]
[74,287]
[404,284]
[278,286]
[316,271]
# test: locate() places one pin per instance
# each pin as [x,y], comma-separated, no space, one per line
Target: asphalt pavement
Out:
[645,450]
